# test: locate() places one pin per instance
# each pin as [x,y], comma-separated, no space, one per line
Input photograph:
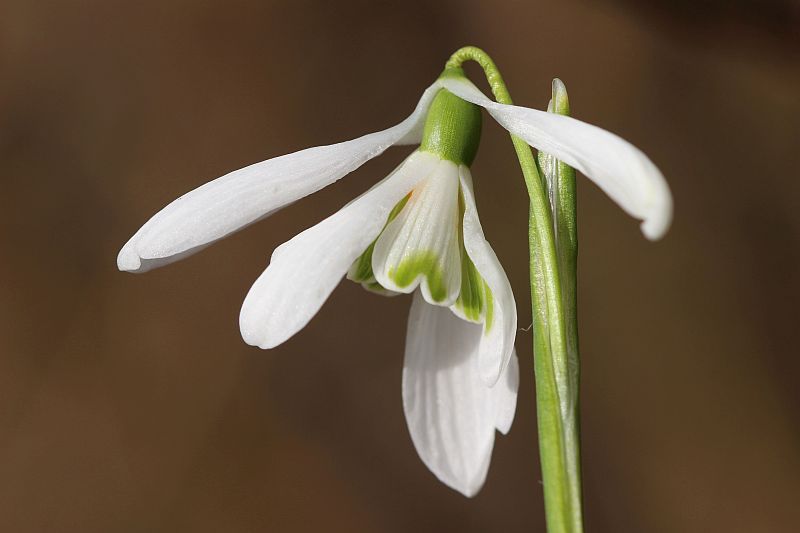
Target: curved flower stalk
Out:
[629,177]
[416,231]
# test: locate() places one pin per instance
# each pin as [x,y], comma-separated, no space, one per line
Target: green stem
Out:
[555,369]
[560,179]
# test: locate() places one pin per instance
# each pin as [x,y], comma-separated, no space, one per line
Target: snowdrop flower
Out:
[416,231]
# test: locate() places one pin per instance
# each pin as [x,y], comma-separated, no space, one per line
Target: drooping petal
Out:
[500,321]
[616,166]
[420,246]
[304,271]
[451,413]
[233,201]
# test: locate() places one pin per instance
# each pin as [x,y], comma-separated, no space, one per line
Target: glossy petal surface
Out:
[304,271]
[451,413]
[500,323]
[235,200]
[620,169]
[420,247]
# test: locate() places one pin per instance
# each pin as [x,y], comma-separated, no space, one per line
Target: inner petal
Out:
[361,270]
[421,246]
[474,302]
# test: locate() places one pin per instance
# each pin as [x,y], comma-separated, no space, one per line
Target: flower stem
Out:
[552,277]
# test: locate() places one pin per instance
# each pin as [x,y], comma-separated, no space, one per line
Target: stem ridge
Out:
[552,279]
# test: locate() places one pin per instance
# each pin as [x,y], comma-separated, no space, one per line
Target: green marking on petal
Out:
[424,263]
[489,318]
[475,302]
[470,299]
[396,210]
[377,288]
[361,271]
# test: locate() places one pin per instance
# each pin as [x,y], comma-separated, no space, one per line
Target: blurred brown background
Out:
[130,403]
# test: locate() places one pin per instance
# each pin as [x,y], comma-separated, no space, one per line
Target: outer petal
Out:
[304,271]
[420,246]
[500,324]
[451,413]
[227,204]
[616,166]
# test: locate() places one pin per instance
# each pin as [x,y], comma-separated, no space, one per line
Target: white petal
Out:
[235,200]
[497,342]
[616,166]
[420,246]
[451,413]
[304,271]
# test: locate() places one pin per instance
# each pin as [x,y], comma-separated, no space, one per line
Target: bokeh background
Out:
[129,403]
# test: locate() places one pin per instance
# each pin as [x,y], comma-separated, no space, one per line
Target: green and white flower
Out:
[418,228]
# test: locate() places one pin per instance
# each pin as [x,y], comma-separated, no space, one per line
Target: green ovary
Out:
[421,263]
[452,128]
